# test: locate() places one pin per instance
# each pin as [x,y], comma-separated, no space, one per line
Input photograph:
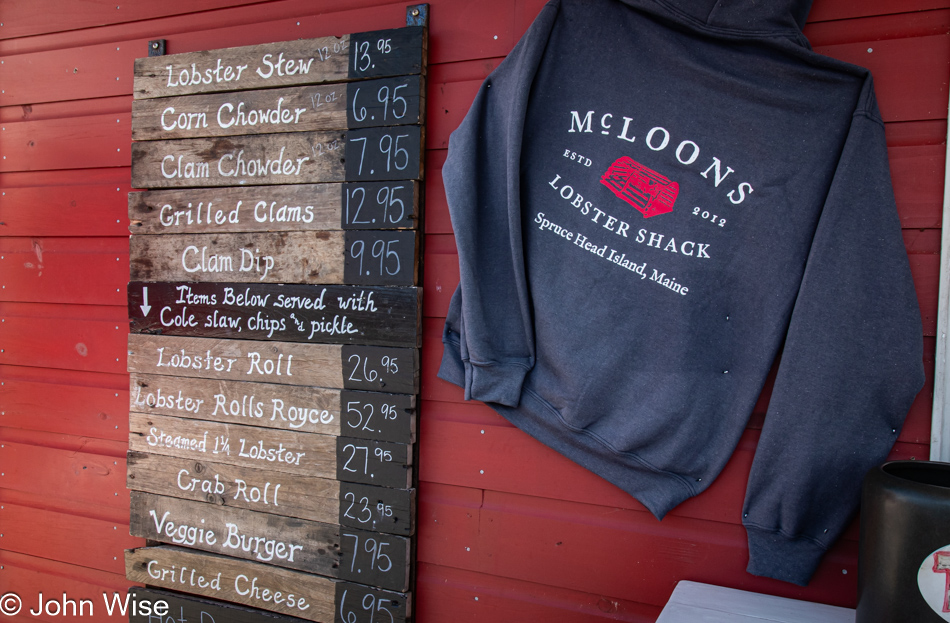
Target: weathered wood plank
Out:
[369,368]
[238,360]
[184,608]
[345,553]
[363,415]
[291,313]
[374,54]
[279,590]
[298,207]
[323,456]
[313,257]
[380,509]
[287,257]
[372,154]
[374,103]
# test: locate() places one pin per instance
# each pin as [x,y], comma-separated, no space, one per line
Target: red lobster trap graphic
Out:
[643,188]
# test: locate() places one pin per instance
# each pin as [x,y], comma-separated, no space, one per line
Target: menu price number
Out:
[362,510]
[379,258]
[379,205]
[378,416]
[386,198]
[374,558]
[360,414]
[366,374]
[375,508]
[389,102]
[369,604]
[391,153]
[367,462]
[362,604]
[379,368]
[363,60]
[368,554]
[397,110]
[381,53]
[381,250]
[362,468]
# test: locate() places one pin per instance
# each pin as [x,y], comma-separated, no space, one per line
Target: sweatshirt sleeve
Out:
[488,336]
[850,368]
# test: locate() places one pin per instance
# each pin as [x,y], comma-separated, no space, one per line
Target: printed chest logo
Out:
[641,187]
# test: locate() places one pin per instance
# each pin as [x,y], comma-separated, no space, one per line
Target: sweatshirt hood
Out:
[753,16]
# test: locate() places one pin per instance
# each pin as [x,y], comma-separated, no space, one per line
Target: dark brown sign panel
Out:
[299,207]
[290,313]
[308,61]
[284,591]
[346,553]
[372,154]
[374,103]
[363,415]
[330,257]
[370,368]
[379,509]
[344,458]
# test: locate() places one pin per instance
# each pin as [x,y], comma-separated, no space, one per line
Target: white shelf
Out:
[692,602]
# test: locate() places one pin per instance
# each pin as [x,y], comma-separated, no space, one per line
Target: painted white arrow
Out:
[145,306]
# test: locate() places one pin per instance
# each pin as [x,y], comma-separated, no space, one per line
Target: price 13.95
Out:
[382,53]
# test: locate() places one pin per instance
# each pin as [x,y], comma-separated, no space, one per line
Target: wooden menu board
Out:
[275,325]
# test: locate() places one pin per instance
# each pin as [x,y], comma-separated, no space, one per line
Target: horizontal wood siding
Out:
[507,529]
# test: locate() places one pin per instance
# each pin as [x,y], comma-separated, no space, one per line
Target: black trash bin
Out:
[904,564]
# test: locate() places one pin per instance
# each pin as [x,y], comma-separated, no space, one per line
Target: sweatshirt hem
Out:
[659,491]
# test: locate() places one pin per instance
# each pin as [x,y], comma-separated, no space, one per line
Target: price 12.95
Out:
[380,205]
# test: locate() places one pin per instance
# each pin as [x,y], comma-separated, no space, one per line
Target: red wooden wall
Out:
[508,530]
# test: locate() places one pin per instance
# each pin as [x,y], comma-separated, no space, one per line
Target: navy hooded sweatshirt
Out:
[653,199]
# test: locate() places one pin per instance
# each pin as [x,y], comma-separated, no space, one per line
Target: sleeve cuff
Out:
[772,555]
[499,383]
[496,382]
